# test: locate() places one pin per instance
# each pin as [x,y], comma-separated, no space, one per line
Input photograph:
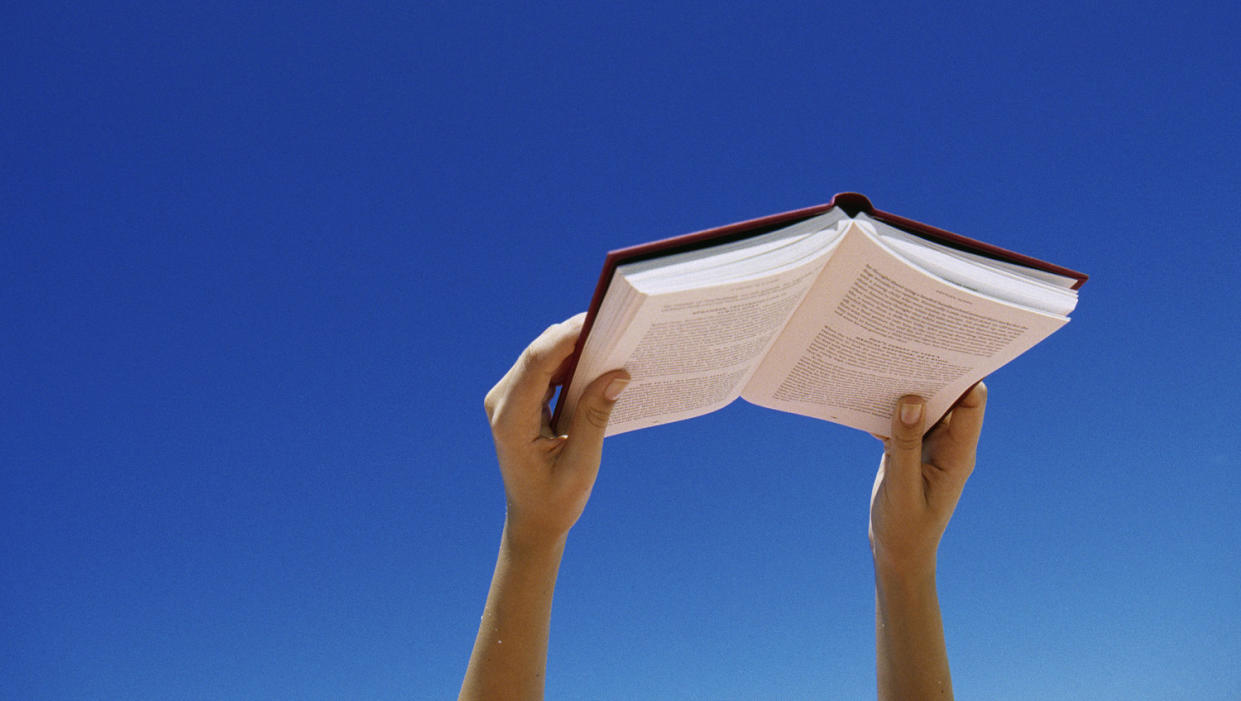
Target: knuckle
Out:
[596,416]
[491,401]
[532,357]
[906,443]
[498,414]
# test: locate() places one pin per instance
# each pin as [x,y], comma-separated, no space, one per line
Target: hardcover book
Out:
[833,311]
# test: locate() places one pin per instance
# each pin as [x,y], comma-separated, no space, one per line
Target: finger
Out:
[532,374]
[517,400]
[589,422]
[952,448]
[958,439]
[903,461]
[561,374]
[967,417]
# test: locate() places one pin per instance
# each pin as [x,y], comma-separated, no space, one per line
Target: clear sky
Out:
[258,267]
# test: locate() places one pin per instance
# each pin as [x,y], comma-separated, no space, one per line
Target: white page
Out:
[873,328]
[961,266]
[689,353]
[741,260]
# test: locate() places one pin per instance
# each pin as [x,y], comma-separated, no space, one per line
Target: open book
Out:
[833,311]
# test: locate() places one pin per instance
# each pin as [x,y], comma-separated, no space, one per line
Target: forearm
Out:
[509,660]
[912,660]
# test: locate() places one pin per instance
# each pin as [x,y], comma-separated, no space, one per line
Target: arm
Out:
[915,492]
[547,480]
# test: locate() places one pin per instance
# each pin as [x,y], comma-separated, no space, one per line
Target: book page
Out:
[874,327]
[689,353]
[1010,282]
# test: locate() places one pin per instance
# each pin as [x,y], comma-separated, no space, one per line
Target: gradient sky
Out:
[260,264]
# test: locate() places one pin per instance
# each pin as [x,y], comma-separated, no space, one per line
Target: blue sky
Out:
[260,266]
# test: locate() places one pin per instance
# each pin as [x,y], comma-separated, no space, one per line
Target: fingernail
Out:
[614,388]
[911,413]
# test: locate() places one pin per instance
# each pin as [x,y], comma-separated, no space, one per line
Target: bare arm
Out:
[916,490]
[547,481]
[510,653]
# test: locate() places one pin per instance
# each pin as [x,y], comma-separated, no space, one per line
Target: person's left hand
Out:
[548,478]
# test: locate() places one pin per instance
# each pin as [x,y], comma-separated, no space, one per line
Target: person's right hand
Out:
[920,480]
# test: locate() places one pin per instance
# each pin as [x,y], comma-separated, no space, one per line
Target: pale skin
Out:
[548,479]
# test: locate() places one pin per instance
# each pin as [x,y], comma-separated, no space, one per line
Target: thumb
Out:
[590,419]
[904,449]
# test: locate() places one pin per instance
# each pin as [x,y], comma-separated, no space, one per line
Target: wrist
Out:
[905,567]
[532,541]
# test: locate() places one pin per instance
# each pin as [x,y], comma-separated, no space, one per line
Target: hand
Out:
[548,478]
[920,481]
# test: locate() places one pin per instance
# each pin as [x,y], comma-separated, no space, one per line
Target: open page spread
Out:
[874,327]
[692,330]
[690,352]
